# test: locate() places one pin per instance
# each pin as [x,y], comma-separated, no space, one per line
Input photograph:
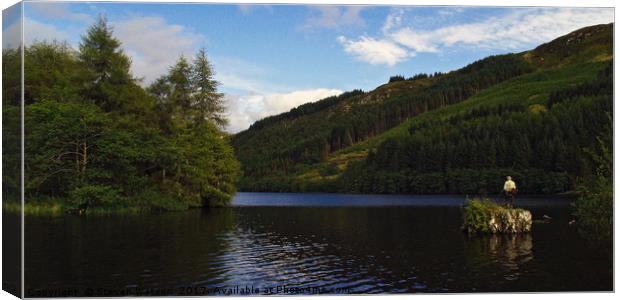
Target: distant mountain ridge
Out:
[315,146]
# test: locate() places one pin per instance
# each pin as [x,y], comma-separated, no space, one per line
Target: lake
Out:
[308,243]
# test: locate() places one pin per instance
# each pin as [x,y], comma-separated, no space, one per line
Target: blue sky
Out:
[270,58]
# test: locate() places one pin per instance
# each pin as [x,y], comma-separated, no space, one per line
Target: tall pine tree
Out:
[108,65]
[208,103]
[181,90]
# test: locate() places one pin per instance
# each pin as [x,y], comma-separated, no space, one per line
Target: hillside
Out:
[529,114]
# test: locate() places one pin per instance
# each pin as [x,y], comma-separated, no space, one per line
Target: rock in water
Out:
[485,216]
[510,220]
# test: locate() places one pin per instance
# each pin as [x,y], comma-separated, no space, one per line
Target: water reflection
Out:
[126,251]
[329,249]
[509,252]
[513,250]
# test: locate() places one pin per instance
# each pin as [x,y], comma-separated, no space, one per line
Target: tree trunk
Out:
[77,159]
[84,157]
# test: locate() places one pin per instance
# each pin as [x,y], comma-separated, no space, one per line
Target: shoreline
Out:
[59,208]
[567,194]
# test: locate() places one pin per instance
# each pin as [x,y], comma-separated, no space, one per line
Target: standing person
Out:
[510,189]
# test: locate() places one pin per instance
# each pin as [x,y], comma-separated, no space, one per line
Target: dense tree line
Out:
[95,138]
[306,135]
[547,149]
[473,152]
[539,138]
[397,78]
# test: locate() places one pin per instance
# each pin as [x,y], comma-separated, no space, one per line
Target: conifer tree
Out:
[108,65]
[208,103]
[181,91]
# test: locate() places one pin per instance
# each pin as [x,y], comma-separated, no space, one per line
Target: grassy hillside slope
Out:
[517,92]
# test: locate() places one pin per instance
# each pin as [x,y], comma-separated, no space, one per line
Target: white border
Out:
[511,3]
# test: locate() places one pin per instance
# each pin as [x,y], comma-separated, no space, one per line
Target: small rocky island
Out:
[486,216]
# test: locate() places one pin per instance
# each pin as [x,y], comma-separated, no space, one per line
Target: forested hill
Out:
[532,114]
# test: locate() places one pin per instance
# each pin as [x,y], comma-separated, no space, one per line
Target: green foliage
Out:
[209,104]
[460,132]
[594,209]
[93,196]
[95,139]
[477,215]
[52,70]
[106,66]
[593,43]
[11,76]
[480,141]
[396,78]
[48,207]
[11,151]
[188,94]
[190,115]
[328,170]
[161,202]
[311,132]
[57,135]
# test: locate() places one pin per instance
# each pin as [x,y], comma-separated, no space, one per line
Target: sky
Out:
[271,58]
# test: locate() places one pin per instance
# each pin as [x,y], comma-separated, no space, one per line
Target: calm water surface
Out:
[308,243]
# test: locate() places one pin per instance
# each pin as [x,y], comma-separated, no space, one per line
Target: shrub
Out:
[328,170]
[160,202]
[477,215]
[594,210]
[215,197]
[94,196]
[157,200]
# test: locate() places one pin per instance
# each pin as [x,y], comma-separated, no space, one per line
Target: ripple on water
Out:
[361,250]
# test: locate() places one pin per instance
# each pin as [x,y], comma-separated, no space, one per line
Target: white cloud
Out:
[450,11]
[12,35]
[416,41]
[522,28]
[249,8]
[517,30]
[37,31]
[244,76]
[334,17]
[154,44]
[250,95]
[57,11]
[33,31]
[394,19]
[244,110]
[375,51]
